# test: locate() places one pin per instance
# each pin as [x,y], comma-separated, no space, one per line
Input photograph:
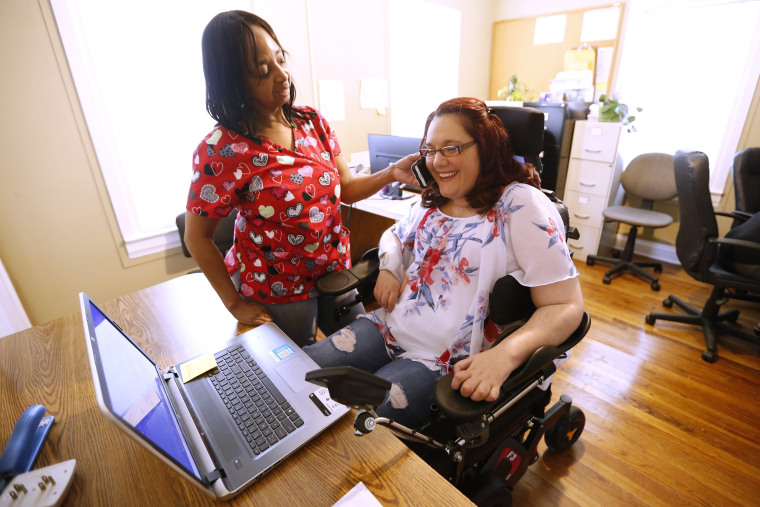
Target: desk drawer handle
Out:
[582,217]
[592,151]
[584,184]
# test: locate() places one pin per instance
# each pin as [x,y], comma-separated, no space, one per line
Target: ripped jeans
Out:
[361,345]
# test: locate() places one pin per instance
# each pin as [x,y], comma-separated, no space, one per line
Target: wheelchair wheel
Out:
[492,491]
[566,431]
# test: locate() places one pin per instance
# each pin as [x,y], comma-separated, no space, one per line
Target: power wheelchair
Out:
[482,448]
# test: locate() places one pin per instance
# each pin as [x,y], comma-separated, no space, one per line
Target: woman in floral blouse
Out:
[482,218]
[279,167]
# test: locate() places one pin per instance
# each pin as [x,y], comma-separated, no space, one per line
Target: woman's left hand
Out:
[480,377]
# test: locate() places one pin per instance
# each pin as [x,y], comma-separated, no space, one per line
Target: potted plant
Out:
[613,110]
[516,90]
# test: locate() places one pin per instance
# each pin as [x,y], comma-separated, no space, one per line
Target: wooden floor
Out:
[663,427]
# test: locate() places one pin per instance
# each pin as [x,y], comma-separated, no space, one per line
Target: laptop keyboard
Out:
[260,411]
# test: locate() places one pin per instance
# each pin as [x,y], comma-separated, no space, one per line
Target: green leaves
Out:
[612,110]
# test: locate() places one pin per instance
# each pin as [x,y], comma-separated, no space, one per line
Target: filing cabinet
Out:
[593,178]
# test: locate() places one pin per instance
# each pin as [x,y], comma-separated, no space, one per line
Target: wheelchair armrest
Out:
[363,272]
[351,386]
[541,363]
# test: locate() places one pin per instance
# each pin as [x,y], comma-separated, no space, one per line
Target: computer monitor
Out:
[384,150]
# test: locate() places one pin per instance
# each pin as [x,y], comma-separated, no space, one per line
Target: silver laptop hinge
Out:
[170,375]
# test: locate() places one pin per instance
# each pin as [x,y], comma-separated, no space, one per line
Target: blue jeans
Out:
[361,345]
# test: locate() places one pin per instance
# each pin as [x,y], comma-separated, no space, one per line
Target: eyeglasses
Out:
[446,151]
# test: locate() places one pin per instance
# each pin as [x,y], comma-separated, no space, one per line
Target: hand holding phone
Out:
[421,173]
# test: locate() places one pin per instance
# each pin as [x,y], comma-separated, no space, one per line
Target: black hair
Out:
[229,50]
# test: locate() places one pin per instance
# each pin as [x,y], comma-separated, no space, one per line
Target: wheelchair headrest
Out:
[525,126]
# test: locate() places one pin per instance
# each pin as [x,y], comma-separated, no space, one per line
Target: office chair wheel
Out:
[710,356]
[607,280]
[650,320]
[655,286]
[667,302]
[492,491]
[566,431]
[590,261]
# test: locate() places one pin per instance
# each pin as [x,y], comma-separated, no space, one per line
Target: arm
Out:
[356,188]
[392,279]
[559,309]
[199,239]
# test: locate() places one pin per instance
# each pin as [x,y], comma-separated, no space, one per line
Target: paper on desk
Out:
[358,496]
[197,366]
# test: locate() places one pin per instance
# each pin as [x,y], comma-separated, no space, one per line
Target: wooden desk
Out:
[173,321]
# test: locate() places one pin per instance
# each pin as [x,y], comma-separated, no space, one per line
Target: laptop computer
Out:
[225,428]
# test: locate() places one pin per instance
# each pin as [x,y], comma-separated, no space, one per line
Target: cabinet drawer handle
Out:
[584,184]
[592,151]
[582,217]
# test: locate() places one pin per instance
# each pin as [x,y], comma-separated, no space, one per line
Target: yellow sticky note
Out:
[197,366]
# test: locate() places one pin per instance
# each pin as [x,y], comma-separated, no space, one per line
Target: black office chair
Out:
[696,246]
[746,176]
[649,177]
[482,448]
[224,237]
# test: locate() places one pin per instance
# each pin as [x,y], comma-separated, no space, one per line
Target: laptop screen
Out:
[132,387]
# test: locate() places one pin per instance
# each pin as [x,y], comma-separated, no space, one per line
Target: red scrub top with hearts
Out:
[288,231]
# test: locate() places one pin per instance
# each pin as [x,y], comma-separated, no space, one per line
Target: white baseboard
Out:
[652,249]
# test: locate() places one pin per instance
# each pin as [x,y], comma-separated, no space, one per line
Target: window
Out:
[693,68]
[424,61]
[138,73]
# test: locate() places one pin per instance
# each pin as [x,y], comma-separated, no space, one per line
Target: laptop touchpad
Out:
[293,372]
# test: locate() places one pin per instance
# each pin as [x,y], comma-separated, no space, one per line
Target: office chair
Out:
[482,448]
[649,177]
[696,246]
[224,237]
[746,176]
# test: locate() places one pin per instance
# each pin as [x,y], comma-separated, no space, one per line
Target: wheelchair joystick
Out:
[364,423]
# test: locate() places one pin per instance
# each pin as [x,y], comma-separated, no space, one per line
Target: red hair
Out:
[498,167]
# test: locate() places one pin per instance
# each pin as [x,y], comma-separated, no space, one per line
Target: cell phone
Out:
[421,172]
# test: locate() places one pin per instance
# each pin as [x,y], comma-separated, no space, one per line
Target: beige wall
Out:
[59,233]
